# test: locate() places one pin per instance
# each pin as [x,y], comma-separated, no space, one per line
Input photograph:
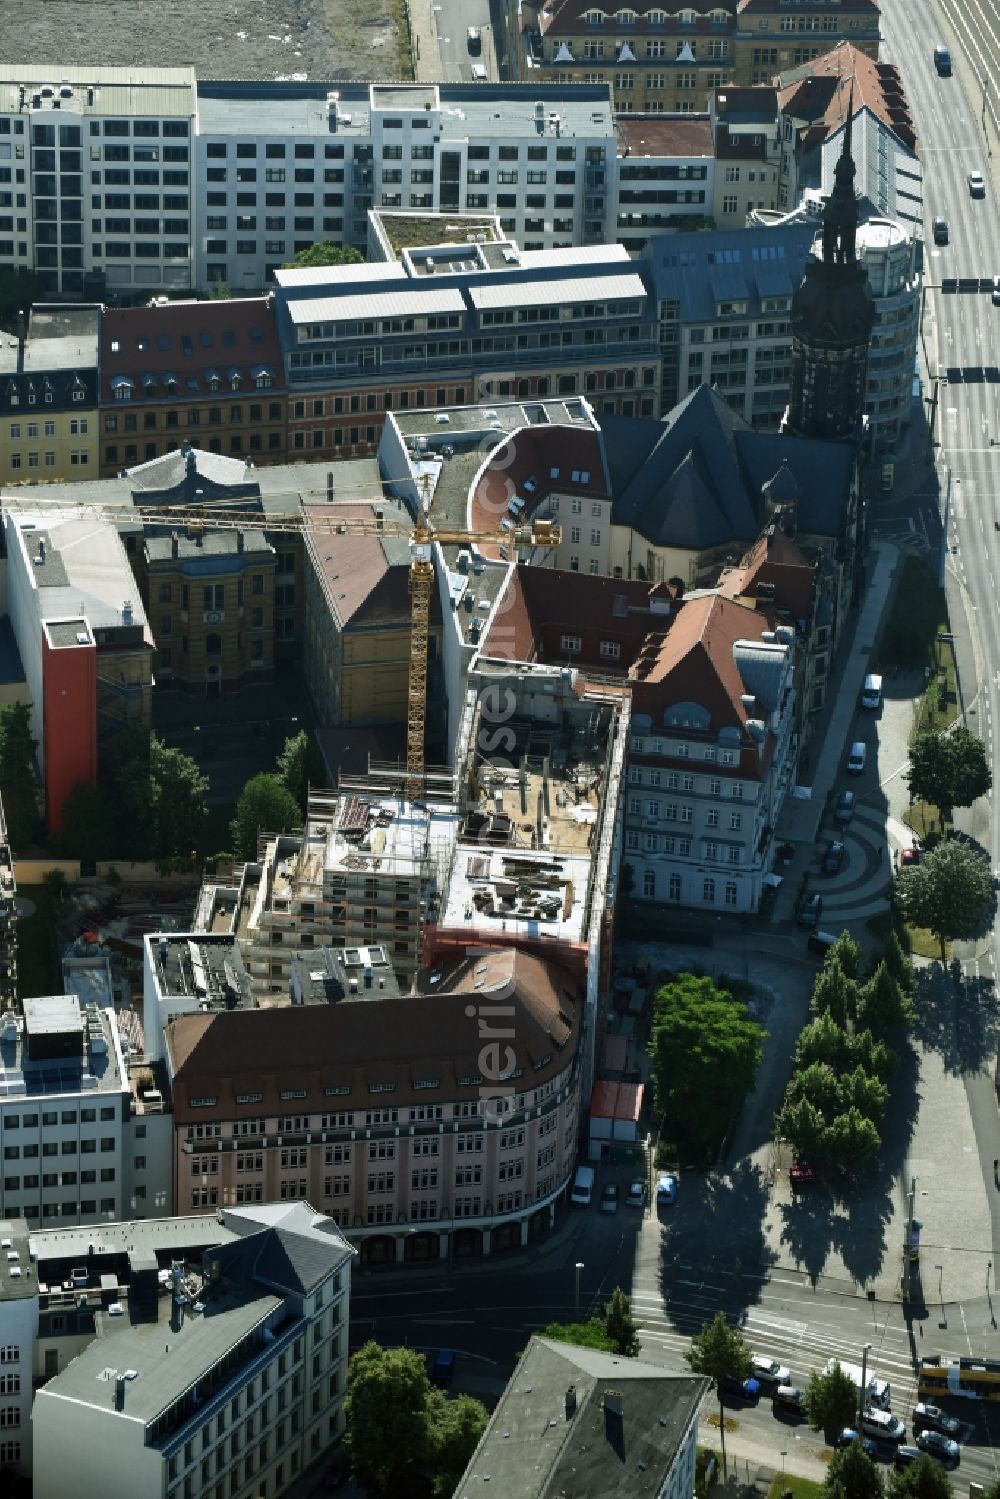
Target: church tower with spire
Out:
[833,314]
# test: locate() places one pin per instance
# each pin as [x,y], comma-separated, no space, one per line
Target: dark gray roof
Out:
[821,469]
[296,1247]
[697,269]
[536,1448]
[678,482]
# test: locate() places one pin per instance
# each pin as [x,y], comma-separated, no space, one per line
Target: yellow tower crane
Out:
[421,535]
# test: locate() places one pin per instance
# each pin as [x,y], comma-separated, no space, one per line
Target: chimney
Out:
[127,612]
[22,334]
[175,545]
[329,486]
[119,1392]
[613,1404]
[570,1402]
[239,541]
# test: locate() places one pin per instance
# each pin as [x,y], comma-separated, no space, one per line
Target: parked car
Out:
[788,1401]
[474,37]
[666,1189]
[904,1456]
[844,810]
[977,185]
[940,230]
[834,857]
[740,1389]
[802,1175]
[882,1426]
[811,911]
[995,296]
[933,1418]
[910,855]
[850,1434]
[443,1368]
[609,1199]
[769,1371]
[938,1446]
[636,1195]
[478,72]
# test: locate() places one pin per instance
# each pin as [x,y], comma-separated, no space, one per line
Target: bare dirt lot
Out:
[324,39]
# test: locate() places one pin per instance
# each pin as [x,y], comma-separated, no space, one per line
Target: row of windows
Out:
[215,415]
[675,887]
[77,428]
[64,1116]
[79,458]
[670,811]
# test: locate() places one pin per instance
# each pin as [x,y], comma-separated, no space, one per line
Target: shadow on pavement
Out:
[719,1210]
[956,1016]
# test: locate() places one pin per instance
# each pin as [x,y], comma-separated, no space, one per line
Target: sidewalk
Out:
[424,41]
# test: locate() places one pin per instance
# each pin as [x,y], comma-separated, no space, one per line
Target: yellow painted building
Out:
[48,397]
[357,624]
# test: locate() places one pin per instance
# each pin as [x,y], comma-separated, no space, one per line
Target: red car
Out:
[910,855]
[801,1175]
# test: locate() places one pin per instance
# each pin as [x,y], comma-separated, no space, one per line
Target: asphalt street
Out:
[452,19]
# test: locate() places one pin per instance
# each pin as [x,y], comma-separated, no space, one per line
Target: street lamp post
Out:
[940,1271]
[864,1381]
[576,1299]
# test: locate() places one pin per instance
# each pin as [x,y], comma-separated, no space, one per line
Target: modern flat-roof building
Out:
[63,1113]
[449,325]
[665,175]
[102,162]
[178,1354]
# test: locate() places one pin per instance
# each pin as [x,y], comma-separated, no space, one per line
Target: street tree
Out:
[592,1334]
[386,1411]
[820,1085]
[719,1350]
[180,790]
[949,891]
[898,963]
[831,1402]
[847,953]
[619,1325]
[17,773]
[859,1090]
[949,769]
[299,766]
[834,993]
[823,1041]
[803,1126]
[851,1139]
[324,254]
[265,805]
[883,1004]
[455,1427]
[924,1479]
[705,1050]
[851,1470]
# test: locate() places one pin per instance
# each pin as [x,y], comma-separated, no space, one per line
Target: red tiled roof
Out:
[775,560]
[546,458]
[693,662]
[772,7]
[565,17]
[665,135]
[190,340]
[819,92]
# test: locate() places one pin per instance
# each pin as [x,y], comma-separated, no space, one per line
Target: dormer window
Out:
[625,17]
[594,18]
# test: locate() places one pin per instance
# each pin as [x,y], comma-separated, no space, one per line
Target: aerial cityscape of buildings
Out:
[546,484]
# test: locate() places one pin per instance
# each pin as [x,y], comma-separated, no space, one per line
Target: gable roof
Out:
[574,1421]
[823,471]
[820,92]
[776,564]
[695,662]
[287,1246]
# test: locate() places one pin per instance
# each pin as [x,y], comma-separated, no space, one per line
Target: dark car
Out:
[609,1199]
[788,1401]
[443,1367]
[849,1435]
[933,1418]
[904,1456]
[833,858]
[938,1446]
[740,1389]
[811,911]
[940,230]
[844,810]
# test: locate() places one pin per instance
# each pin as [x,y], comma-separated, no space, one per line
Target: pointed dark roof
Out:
[681,485]
[782,488]
[821,469]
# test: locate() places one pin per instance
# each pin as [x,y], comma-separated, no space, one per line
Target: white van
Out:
[882,1426]
[878,1391]
[871,692]
[856,759]
[583,1186]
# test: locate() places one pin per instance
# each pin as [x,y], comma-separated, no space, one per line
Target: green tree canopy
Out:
[592,1334]
[949,891]
[265,805]
[847,953]
[853,1472]
[88,825]
[883,1004]
[299,766]
[824,1041]
[898,963]
[19,291]
[18,786]
[386,1409]
[455,1427]
[949,769]
[619,1326]
[859,1090]
[718,1350]
[851,1139]
[924,1479]
[705,1050]
[831,1402]
[803,1126]
[325,254]
[834,993]
[180,790]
